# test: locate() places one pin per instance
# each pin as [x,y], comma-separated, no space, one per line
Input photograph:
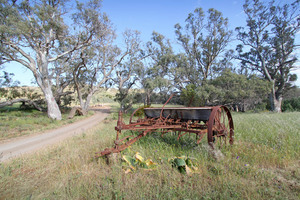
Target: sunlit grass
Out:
[263,163]
[15,122]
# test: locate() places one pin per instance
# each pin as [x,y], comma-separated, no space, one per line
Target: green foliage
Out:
[292,92]
[6,79]
[104,96]
[7,85]
[205,94]
[240,90]
[203,39]
[230,89]
[30,93]
[67,100]
[37,33]
[188,95]
[269,38]
[156,74]
[140,112]
[291,105]
[136,162]
[127,100]
[184,164]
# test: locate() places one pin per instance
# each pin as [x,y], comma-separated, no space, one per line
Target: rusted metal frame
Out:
[168,128]
[117,142]
[178,127]
[220,136]
[218,124]
[164,131]
[187,130]
[180,135]
[199,132]
[221,126]
[231,126]
[162,109]
[200,126]
[130,120]
[166,119]
[155,127]
[201,137]
[131,126]
[119,148]
[211,124]
[214,124]
[177,121]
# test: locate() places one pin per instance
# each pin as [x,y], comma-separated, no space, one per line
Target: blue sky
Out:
[161,15]
[147,16]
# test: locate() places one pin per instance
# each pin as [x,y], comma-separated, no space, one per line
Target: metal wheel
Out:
[220,127]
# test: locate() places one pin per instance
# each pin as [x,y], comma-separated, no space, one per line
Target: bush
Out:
[291,105]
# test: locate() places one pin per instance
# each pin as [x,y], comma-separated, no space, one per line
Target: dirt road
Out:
[29,144]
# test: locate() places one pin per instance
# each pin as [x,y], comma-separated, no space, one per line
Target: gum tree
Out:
[97,63]
[204,39]
[268,44]
[30,32]
[127,72]
[156,75]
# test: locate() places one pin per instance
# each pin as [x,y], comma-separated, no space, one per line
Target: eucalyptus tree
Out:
[30,32]
[62,77]
[93,66]
[97,64]
[127,72]
[180,71]
[240,91]
[203,39]
[6,79]
[269,38]
[156,74]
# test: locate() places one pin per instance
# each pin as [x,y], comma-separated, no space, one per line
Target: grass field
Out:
[263,163]
[16,122]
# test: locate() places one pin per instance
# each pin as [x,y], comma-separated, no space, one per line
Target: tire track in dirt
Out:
[30,144]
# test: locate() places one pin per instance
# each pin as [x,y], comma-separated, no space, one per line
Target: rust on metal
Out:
[215,121]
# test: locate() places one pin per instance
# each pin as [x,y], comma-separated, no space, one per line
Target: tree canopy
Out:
[31,32]
[270,40]
[72,47]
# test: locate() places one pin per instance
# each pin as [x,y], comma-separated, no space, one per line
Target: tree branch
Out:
[9,103]
[28,57]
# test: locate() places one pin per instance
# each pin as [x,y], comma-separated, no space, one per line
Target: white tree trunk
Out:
[275,101]
[53,109]
[277,104]
[44,82]
[148,98]
[85,105]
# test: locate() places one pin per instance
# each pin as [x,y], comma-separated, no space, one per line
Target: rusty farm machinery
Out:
[216,122]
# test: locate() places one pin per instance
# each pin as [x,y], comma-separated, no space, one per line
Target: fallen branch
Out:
[11,102]
[76,111]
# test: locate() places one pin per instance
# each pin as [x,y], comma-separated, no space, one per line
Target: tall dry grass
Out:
[263,163]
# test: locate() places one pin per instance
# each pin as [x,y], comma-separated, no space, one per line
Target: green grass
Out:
[263,163]
[16,122]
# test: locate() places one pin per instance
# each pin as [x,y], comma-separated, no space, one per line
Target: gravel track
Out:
[17,147]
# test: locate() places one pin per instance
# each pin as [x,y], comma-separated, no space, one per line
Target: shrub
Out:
[291,104]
